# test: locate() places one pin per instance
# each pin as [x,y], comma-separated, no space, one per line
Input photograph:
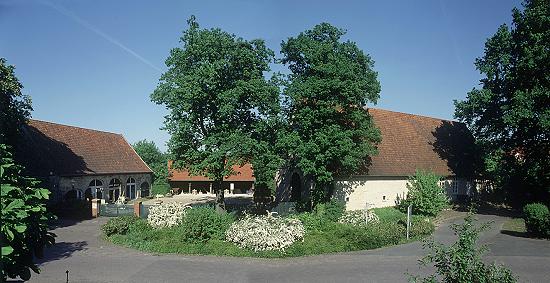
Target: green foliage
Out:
[203,223]
[24,219]
[461,262]
[424,194]
[118,225]
[16,107]
[331,81]
[154,158]
[159,188]
[420,227]
[331,210]
[219,102]
[537,219]
[510,114]
[390,214]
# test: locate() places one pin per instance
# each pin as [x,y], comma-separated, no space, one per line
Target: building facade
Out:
[77,163]
[409,143]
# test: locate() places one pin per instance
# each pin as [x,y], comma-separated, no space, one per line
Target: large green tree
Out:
[331,82]
[217,96]
[510,113]
[15,107]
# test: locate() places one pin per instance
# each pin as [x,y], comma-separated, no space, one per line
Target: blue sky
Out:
[94,64]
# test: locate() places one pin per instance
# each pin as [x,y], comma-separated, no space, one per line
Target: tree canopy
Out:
[217,96]
[15,107]
[330,84]
[154,158]
[510,113]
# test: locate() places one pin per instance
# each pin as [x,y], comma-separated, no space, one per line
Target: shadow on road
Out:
[62,250]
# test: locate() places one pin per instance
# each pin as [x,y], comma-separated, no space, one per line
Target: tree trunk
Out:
[220,200]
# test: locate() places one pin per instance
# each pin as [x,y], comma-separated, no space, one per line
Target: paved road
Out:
[89,259]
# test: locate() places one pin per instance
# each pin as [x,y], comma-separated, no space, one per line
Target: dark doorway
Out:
[295,187]
[88,194]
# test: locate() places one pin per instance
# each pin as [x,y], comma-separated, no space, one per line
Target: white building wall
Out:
[386,191]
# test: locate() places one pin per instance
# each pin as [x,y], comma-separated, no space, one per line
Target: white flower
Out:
[264,233]
[358,217]
[166,214]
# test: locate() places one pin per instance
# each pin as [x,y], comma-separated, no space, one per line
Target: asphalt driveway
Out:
[80,250]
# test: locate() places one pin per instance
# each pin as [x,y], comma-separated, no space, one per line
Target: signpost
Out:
[409,216]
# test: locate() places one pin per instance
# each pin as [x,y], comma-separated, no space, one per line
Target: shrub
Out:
[461,262]
[166,214]
[118,225]
[425,194]
[313,222]
[537,219]
[358,217]
[160,188]
[421,227]
[201,224]
[264,233]
[331,210]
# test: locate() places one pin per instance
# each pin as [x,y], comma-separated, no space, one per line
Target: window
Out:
[114,190]
[96,188]
[383,198]
[131,188]
[455,186]
[144,189]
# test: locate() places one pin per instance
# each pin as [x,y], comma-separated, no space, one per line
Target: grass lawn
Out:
[322,236]
[514,227]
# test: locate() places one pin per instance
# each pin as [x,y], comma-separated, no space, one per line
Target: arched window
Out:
[144,189]
[131,188]
[114,189]
[96,188]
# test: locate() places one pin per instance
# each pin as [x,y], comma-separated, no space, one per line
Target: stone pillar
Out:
[210,188]
[95,207]
[189,187]
[232,188]
[137,208]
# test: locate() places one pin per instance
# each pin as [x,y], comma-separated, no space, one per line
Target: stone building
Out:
[77,163]
[409,142]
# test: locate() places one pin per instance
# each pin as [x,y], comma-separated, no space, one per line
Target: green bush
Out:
[425,195]
[537,219]
[160,188]
[118,225]
[331,210]
[201,224]
[421,227]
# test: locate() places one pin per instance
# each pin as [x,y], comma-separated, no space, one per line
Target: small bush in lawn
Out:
[166,214]
[461,262]
[425,194]
[313,222]
[421,227]
[118,225]
[265,233]
[358,217]
[331,210]
[201,224]
[537,219]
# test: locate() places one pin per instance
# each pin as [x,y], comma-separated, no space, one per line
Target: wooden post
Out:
[95,207]
[137,208]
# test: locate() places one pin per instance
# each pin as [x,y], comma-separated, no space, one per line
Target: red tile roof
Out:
[69,151]
[411,142]
[243,174]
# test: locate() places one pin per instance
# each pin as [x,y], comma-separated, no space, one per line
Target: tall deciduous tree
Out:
[217,94]
[15,107]
[331,83]
[510,114]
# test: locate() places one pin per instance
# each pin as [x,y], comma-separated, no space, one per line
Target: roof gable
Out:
[49,148]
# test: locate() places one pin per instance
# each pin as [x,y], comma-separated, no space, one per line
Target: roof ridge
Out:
[411,114]
[78,127]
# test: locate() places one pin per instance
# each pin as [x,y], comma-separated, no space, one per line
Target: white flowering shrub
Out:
[166,214]
[265,233]
[358,217]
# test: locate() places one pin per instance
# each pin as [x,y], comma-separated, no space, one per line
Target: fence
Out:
[113,210]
